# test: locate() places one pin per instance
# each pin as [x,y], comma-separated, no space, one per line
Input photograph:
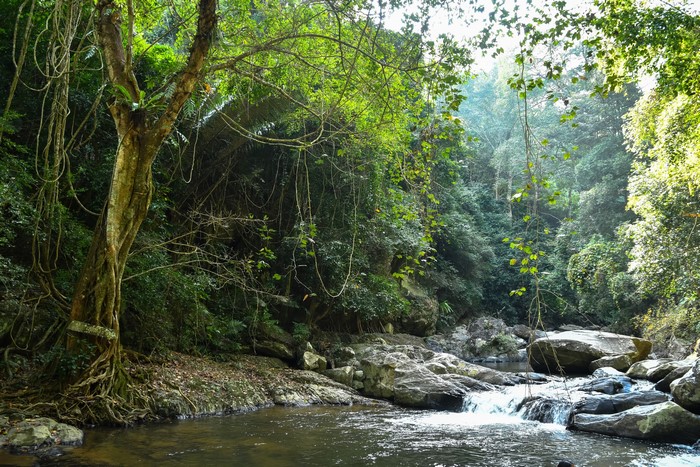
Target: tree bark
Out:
[97,297]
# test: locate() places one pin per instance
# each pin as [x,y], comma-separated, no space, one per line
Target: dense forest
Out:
[199,176]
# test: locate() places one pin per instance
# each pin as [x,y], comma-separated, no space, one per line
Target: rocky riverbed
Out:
[383,368]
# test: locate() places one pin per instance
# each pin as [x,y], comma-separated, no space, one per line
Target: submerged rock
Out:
[574,351]
[666,422]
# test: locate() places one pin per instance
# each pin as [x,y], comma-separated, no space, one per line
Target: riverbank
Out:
[177,386]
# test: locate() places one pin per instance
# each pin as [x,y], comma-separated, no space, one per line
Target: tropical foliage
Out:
[203,177]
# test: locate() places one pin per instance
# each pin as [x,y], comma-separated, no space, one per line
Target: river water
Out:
[489,432]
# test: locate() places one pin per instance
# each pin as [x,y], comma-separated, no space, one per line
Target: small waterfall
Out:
[546,410]
[491,402]
[548,403]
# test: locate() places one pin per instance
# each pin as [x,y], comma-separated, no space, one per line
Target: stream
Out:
[490,431]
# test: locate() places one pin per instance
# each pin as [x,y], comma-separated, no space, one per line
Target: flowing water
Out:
[489,432]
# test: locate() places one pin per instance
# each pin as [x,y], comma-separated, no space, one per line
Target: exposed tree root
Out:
[105,395]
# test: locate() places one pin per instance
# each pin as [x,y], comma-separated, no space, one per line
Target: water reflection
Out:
[355,436]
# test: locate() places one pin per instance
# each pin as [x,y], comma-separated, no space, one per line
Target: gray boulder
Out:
[618,362]
[665,384]
[618,402]
[416,386]
[416,377]
[666,422]
[686,390]
[642,368]
[573,351]
[275,349]
[607,371]
[660,372]
[481,339]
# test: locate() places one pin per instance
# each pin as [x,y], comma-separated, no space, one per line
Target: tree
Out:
[330,62]
[97,296]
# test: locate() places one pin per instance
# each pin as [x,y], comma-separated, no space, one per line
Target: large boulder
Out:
[660,372]
[416,386]
[482,338]
[665,384]
[574,351]
[413,376]
[642,368]
[666,422]
[686,390]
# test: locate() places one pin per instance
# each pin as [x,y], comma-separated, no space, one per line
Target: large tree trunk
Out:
[97,297]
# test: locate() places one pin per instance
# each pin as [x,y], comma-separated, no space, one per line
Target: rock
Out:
[640,369]
[313,362]
[530,377]
[618,402]
[607,371]
[380,372]
[342,375]
[666,422]
[660,372]
[417,377]
[422,316]
[526,333]
[686,389]
[573,351]
[419,387]
[31,435]
[665,384]
[618,362]
[468,383]
[484,339]
[608,385]
[68,435]
[276,349]
[313,388]
[570,327]
[345,356]
[545,410]
[454,365]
